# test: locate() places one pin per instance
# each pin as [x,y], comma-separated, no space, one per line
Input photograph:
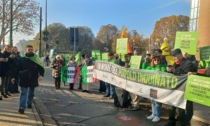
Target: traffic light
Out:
[46,33]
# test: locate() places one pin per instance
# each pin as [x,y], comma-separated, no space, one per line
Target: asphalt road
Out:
[76,108]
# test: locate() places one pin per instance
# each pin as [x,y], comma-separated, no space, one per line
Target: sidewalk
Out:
[9,115]
[201,113]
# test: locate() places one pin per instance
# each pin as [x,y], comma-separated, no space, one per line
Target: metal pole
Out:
[11,20]
[46,16]
[46,27]
[74,40]
[40,32]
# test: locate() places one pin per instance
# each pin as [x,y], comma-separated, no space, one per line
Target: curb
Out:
[36,115]
[44,116]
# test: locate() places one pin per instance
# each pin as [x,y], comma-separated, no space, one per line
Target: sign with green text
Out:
[135,62]
[104,56]
[187,42]
[96,55]
[121,47]
[205,53]
[198,89]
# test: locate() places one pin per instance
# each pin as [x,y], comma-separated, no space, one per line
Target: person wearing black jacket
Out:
[16,60]
[31,71]
[6,52]
[181,66]
[2,74]
[13,88]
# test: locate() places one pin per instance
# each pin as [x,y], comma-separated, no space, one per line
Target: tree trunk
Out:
[3,23]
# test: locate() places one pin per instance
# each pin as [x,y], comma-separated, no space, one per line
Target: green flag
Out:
[36,60]
[87,74]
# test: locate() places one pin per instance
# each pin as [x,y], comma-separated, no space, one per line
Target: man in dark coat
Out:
[6,70]
[2,60]
[31,71]
[181,66]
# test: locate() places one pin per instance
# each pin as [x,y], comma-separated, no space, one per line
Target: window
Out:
[194,15]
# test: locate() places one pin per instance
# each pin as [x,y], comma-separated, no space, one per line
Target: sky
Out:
[139,15]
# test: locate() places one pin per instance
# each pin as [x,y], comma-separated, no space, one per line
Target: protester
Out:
[135,98]
[80,65]
[181,66]
[87,62]
[63,63]
[47,60]
[31,71]
[147,61]
[2,74]
[126,98]
[6,52]
[56,65]
[158,52]
[110,89]
[12,65]
[156,106]
[17,59]
[72,63]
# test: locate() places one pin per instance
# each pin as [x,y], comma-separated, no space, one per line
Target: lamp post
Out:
[11,20]
[40,32]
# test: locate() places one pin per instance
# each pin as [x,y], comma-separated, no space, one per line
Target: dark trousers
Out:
[126,99]
[4,85]
[184,115]
[102,87]
[71,86]
[80,82]
[57,82]
[17,80]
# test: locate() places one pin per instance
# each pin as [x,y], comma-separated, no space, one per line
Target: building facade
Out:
[200,21]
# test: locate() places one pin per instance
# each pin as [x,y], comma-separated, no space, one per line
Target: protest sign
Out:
[205,53]
[104,56]
[121,47]
[135,62]
[96,55]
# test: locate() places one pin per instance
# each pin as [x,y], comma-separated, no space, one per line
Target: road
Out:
[76,108]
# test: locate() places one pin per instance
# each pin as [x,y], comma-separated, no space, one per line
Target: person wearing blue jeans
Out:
[156,111]
[30,71]
[26,93]
[110,90]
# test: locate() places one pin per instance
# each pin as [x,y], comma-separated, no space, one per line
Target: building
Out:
[200,21]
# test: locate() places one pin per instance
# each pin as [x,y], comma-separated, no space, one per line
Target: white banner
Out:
[126,79]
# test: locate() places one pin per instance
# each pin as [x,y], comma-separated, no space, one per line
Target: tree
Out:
[25,16]
[137,41]
[107,34]
[58,37]
[86,39]
[167,27]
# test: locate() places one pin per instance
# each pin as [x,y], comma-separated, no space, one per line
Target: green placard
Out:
[187,41]
[121,48]
[96,55]
[135,62]
[198,89]
[104,57]
[205,53]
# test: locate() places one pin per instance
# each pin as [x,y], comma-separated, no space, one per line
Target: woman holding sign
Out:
[72,63]
[156,107]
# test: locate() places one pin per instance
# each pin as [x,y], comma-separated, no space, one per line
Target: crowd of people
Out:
[60,61]
[184,64]
[15,71]
[27,71]
[9,58]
